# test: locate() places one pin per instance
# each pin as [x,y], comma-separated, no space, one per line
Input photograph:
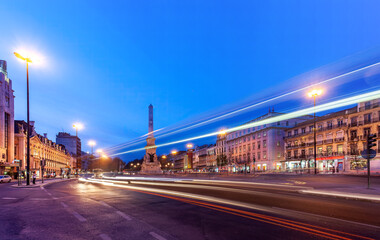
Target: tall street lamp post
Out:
[92,143]
[314,94]
[27,60]
[77,126]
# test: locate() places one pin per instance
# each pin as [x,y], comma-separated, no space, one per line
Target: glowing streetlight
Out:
[99,151]
[222,132]
[92,143]
[189,145]
[314,93]
[174,152]
[77,126]
[164,156]
[27,60]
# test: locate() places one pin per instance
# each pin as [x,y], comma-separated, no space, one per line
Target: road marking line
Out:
[156,236]
[39,199]
[78,216]
[104,236]
[124,215]
[64,205]
[105,204]
[9,198]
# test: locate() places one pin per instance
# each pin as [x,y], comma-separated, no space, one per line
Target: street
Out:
[181,210]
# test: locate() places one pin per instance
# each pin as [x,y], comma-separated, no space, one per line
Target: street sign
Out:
[372,154]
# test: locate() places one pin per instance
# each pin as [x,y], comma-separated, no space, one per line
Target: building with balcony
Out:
[43,152]
[211,157]
[260,147]
[180,160]
[331,136]
[200,158]
[340,138]
[361,123]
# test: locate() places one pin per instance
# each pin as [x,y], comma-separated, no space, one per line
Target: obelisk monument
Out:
[150,165]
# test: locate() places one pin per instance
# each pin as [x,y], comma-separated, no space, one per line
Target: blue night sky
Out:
[104,62]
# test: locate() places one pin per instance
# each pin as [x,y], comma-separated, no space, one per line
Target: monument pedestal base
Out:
[151,165]
[151,168]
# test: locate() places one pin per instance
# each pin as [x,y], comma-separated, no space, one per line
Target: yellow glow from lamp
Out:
[78,126]
[315,92]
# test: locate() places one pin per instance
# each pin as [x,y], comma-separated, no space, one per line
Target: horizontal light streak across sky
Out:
[161,132]
[307,111]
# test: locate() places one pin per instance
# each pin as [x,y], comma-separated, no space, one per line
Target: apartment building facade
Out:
[260,148]
[43,152]
[7,163]
[340,138]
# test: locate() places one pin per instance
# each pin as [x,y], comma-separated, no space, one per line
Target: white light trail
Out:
[320,108]
[233,112]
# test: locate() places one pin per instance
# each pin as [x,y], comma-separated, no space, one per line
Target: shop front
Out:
[297,165]
[333,164]
[8,169]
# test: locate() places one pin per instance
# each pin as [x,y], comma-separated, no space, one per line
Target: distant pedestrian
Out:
[34,177]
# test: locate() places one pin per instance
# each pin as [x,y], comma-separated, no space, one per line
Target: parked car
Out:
[5,178]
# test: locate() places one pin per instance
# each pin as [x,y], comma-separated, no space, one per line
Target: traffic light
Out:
[371,141]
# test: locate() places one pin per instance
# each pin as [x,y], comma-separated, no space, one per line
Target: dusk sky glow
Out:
[192,60]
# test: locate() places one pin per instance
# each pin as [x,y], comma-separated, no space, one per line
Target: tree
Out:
[221,160]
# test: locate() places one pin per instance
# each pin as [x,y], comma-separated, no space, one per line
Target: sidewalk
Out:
[40,184]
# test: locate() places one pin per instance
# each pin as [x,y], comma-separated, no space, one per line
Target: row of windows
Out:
[257,156]
[320,151]
[247,147]
[249,130]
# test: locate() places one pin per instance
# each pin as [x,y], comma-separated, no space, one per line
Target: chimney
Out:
[45,135]
[31,123]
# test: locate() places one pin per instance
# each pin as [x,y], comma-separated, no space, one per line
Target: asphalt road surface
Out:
[181,210]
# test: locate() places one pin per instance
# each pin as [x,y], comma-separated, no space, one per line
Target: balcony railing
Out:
[318,130]
[341,139]
[365,122]
[368,107]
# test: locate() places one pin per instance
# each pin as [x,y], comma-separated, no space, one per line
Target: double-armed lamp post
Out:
[27,60]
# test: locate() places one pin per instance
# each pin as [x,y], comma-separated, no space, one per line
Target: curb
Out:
[42,185]
[343,195]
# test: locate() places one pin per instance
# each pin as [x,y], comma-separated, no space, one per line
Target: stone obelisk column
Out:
[150,119]
[150,165]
